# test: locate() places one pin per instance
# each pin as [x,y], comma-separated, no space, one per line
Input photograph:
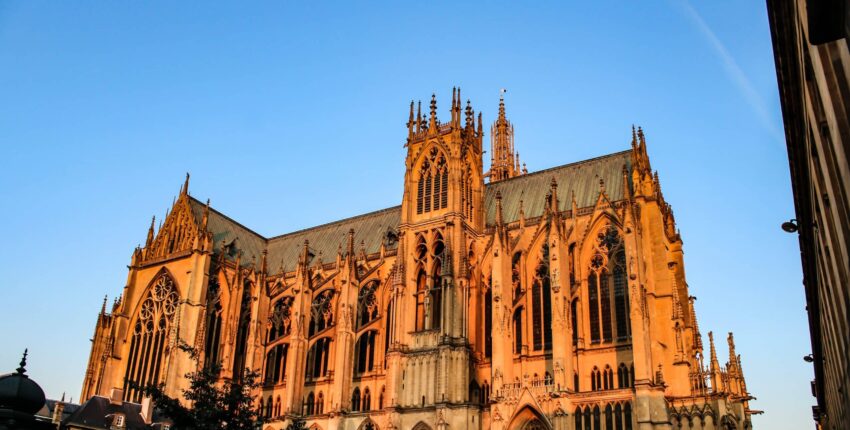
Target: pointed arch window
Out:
[355,400]
[433,183]
[150,336]
[367,305]
[309,404]
[623,376]
[517,320]
[595,379]
[280,321]
[607,290]
[421,295]
[541,307]
[242,332]
[213,324]
[366,403]
[608,382]
[321,312]
[317,359]
[364,350]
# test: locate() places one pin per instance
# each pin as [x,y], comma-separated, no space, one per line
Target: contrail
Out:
[736,74]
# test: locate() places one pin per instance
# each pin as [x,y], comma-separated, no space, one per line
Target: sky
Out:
[291,114]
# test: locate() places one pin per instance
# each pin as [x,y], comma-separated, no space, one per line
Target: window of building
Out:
[355,400]
[149,338]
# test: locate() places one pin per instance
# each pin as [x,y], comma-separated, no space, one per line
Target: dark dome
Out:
[20,393]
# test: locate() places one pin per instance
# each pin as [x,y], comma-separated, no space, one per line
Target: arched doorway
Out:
[529,418]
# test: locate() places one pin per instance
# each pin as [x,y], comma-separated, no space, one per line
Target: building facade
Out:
[487,300]
[810,44]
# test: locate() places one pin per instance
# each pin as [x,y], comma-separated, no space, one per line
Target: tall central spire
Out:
[503,163]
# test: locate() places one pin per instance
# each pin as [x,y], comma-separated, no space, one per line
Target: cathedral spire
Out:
[149,240]
[503,162]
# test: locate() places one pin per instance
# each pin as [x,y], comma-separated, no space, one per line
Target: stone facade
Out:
[487,300]
[810,45]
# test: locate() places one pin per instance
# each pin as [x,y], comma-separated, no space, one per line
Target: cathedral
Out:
[500,299]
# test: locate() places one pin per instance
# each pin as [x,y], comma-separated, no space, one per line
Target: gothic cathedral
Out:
[498,300]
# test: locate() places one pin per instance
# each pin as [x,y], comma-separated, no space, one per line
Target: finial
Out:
[502,104]
[432,121]
[524,169]
[63,397]
[454,97]
[185,189]
[23,368]
[419,116]
[469,118]
[601,185]
[149,239]
[351,242]
[103,308]
[410,122]
[634,137]
[480,129]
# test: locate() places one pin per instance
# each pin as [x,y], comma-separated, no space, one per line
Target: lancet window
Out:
[624,376]
[276,364]
[517,323]
[309,404]
[429,288]
[364,351]
[541,306]
[436,293]
[595,379]
[466,192]
[606,282]
[317,358]
[433,184]
[516,277]
[355,400]
[366,403]
[150,336]
[242,331]
[213,324]
[388,327]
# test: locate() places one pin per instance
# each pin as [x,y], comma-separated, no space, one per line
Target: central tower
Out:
[442,213]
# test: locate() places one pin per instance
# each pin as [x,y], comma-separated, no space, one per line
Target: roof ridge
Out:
[573,164]
[339,221]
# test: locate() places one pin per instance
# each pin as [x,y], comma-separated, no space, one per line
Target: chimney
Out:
[147,410]
[116,396]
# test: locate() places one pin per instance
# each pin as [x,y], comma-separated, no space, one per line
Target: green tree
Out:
[212,405]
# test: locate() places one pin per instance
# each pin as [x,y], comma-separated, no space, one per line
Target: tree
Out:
[212,405]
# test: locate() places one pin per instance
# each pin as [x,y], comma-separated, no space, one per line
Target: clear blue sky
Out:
[292,114]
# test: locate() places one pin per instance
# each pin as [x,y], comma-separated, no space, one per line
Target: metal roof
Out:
[581,178]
